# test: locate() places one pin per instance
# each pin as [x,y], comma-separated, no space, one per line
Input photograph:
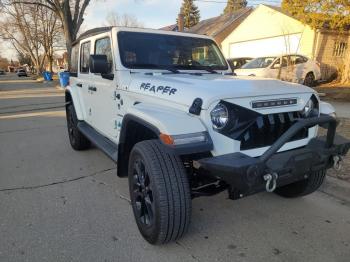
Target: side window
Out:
[103,47]
[74,59]
[84,57]
[277,64]
[295,60]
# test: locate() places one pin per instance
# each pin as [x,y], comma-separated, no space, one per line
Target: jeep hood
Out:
[184,88]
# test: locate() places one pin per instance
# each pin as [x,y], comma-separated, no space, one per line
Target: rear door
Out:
[84,80]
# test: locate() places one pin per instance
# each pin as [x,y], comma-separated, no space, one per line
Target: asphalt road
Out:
[60,205]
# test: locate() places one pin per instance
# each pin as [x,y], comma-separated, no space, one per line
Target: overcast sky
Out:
[152,13]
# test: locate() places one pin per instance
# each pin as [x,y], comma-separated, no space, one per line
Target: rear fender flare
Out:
[71,96]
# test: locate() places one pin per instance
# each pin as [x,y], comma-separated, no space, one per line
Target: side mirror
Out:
[98,64]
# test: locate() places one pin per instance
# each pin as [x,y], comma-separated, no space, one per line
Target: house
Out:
[222,26]
[268,30]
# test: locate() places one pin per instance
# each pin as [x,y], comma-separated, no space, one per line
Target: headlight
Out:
[310,109]
[219,116]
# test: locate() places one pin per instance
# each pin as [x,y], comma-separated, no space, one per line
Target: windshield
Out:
[158,51]
[261,62]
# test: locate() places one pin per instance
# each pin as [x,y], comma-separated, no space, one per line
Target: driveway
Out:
[57,204]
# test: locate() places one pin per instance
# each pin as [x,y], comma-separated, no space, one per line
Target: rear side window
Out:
[74,59]
[84,57]
[103,47]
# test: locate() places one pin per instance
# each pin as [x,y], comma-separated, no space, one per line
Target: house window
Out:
[339,49]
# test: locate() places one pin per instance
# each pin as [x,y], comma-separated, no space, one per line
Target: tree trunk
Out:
[68,35]
[345,72]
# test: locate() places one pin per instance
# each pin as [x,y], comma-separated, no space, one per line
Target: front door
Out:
[104,99]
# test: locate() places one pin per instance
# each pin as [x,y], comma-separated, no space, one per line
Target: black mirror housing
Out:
[98,64]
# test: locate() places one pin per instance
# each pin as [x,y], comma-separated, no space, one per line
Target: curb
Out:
[336,188]
[59,88]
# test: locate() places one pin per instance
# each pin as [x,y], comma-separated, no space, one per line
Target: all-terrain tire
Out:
[159,191]
[77,140]
[304,187]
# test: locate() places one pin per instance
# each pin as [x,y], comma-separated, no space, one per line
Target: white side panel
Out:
[264,47]
[168,121]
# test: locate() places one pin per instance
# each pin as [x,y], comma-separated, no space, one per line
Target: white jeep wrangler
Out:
[167,109]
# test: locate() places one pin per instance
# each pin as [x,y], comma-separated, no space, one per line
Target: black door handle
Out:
[80,85]
[92,88]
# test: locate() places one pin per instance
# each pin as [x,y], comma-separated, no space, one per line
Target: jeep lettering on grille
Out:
[274,103]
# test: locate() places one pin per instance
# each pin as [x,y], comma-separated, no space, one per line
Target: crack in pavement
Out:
[187,251]
[58,182]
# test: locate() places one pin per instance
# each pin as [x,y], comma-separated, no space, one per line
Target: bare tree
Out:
[50,34]
[70,12]
[21,26]
[128,20]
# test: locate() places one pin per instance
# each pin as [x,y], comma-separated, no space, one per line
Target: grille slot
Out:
[266,129]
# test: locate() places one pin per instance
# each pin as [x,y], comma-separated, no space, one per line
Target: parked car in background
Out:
[2,72]
[21,72]
[236,63]
[294,68]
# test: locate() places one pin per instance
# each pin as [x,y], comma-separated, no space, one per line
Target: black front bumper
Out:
[245,174]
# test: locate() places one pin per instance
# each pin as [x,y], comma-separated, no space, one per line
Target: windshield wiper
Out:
[212,71]
[154,66]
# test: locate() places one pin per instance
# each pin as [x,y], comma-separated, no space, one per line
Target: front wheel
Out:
[303,187]
[159,192]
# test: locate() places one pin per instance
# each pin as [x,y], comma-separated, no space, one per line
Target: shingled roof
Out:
[221,26]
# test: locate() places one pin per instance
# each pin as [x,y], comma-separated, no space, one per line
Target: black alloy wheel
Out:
[143,194]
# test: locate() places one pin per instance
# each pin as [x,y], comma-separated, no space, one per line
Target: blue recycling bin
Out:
[47,76]
[64,79]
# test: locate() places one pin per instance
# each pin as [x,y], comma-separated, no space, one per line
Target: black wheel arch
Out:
[133,130]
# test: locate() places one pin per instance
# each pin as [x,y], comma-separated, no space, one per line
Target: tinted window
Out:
[146,50]
[261,62]
[74,59]
[84,57]
[103,47]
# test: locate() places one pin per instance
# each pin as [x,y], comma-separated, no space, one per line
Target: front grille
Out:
[266,129]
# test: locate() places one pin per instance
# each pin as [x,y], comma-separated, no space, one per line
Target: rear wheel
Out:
[77,140]
[304,187]
[309,79]
[159,192]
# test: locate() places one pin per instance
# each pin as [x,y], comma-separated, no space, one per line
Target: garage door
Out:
[264,47]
